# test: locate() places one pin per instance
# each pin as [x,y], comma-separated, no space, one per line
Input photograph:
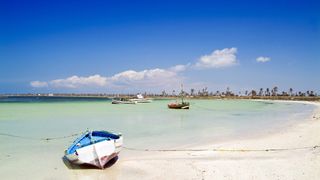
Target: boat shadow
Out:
[87,166]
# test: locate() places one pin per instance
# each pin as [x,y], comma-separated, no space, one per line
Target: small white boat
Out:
[122,101]
[95,148]
[141,99]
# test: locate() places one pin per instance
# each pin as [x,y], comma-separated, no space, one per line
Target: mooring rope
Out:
[170,150]
[40,139]
[222,149]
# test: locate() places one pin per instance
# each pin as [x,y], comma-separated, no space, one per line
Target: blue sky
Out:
[126,46]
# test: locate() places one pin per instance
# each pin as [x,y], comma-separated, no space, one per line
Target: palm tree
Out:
[267,92]
[228,90]
[217,93]
[191,92]
[274,91]
[253,93]
[205,91]
[261,92]
[290,91]
[163,93]
[199,93]
[312,93]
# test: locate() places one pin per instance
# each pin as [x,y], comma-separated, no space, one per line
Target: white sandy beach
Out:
[286,164]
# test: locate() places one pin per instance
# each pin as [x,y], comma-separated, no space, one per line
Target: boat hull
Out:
[123,102]
[141,100]
[178,106]
[97,162]
[97,153]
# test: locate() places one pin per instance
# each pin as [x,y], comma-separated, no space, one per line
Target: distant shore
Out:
[110,96]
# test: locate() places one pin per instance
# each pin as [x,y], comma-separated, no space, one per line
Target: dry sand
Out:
[284,164]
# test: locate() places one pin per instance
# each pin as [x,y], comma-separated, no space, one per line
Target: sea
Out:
[26,123]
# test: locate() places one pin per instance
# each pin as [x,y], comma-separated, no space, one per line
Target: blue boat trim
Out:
[89,138]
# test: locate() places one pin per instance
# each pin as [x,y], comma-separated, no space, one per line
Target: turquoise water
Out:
[150,125]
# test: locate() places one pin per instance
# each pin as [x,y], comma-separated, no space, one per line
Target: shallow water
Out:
[150,125]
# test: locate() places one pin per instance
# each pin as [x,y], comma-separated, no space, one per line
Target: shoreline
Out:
[160,97]
[286,164]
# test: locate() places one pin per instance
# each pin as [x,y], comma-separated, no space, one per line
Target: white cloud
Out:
[149,77]
[38,84]
[179,67]
[262,59]
[218,59]
[146,78]
[129,75]
[75,82]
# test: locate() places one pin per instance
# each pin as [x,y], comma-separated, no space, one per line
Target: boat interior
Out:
[91,138]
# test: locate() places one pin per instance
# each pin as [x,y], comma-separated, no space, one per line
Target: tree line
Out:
[260,92]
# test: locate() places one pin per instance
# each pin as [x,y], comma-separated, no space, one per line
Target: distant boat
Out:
[180,105]
[123,101]
[141,99]
[177,105]
[95,148]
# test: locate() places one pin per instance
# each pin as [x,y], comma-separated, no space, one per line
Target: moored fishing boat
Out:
[95,148]
[180,105]
[177,105]
[122,101]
